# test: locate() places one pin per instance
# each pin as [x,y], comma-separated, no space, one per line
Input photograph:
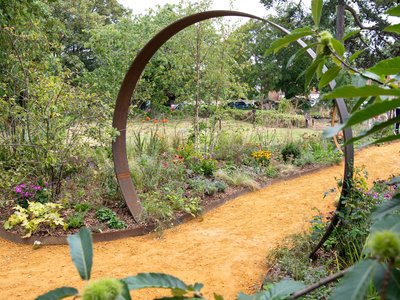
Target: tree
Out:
[78,18]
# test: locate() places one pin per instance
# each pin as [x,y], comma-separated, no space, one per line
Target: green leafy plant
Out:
[107,215]
[36,216]
[290,152]
[104,214]
[203,166]
[379,268]
[76,220]
[82,207]
[115,223]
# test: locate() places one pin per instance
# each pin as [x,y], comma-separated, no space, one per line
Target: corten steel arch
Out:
[132,77]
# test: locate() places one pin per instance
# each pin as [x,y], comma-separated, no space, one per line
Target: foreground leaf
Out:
[387,207]
[328,76]
[125,292]
[159,280]
[387,67]
[392,291]
[280,290]
[287,39]
[81,248]
[351,33]
[316,9]
[394,180]
[350,91]
[338,47]
[391,223]
[355,55]
[310,71]
[354,284]
[386,139]
[365,114]
[59,293]
[377,127]
[395,11]
[393,28]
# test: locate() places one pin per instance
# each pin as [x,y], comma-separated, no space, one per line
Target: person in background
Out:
[397,125]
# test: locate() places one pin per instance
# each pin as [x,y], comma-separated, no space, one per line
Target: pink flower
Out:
[18,189]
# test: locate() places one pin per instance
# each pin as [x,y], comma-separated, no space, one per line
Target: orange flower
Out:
[164,120]
[155,121]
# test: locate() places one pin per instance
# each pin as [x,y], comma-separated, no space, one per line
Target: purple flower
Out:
[388,196]
[375,195]
[18,189]
[26,194]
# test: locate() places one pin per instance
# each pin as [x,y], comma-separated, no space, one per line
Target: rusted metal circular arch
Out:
[132,77]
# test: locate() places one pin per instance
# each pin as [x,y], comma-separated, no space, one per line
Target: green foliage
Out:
[290,152]
[81,250]
[115,223]
[203,166]
[104,214]
[281,290]
[35,217]
[82,207]
[107,215]
[76,220]
[316,9]
[356,281]
[59,293]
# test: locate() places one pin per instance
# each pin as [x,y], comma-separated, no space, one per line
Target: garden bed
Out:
[102,232]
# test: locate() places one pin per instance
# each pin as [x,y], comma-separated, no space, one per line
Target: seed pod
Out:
[385,245]
[104,289]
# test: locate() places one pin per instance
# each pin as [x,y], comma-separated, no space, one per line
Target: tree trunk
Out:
[340,13]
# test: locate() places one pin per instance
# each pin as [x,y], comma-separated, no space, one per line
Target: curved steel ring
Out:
[132,77]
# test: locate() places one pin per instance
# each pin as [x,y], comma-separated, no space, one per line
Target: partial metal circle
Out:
[132,77]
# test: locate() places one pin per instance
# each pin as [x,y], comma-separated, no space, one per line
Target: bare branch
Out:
[317,285]
[357,19]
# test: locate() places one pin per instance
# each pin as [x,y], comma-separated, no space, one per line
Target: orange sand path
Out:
[225,249]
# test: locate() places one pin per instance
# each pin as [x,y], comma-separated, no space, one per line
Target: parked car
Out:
[239,105]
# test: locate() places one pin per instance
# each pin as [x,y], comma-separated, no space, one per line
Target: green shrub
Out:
[155,207]
[271,171]
[186,150]
[203,166]
[229,145]
[82,207]
[290,152]
[197,186]
[104,214]
[291,261]
[211,189]
[220,185]
[115,223]
[76,220]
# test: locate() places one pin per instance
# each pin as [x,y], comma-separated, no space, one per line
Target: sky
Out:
[249,6]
